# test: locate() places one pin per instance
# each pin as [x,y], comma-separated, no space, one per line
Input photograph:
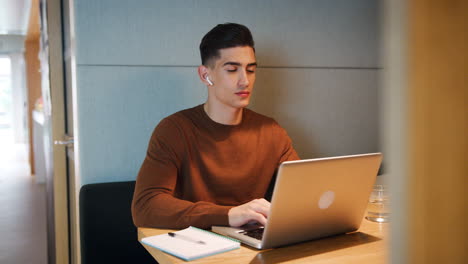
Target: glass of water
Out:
[378,209]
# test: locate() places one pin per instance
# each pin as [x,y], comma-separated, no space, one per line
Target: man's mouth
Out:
[243,93]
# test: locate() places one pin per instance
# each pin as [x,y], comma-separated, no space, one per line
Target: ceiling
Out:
[14,16]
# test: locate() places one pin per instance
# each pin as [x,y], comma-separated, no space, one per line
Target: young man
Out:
[212,164]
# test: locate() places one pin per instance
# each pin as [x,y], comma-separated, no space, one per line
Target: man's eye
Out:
[251,71]
[231,70]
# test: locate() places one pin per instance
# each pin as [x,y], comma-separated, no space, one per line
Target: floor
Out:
[23,237]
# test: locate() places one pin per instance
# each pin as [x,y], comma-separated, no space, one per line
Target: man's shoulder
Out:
[182,116]
[177,123]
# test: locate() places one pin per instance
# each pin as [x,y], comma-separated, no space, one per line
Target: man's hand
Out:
[255,210]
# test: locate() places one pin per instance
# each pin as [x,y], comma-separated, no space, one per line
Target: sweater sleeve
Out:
[154,202]
[288,152]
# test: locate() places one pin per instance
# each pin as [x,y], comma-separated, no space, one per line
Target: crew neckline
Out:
[214,123]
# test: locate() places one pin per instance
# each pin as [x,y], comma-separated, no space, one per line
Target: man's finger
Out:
[260,207]
[259,218]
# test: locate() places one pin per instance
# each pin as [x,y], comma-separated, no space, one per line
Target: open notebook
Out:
[191,243]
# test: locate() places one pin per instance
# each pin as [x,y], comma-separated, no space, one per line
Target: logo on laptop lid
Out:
[326,200]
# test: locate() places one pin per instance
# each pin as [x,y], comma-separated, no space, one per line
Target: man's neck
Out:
[224,115]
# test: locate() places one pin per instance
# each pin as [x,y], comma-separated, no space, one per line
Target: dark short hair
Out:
[222,36]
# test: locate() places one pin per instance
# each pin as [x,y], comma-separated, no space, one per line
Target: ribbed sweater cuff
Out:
[220,215]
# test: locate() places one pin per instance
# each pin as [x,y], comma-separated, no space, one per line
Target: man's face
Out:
[233,77]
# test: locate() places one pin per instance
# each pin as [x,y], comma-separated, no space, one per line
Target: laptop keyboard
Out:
[255,233]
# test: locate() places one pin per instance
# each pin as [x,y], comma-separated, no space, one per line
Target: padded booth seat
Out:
[106,227]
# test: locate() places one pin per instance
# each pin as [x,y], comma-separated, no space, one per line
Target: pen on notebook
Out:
[186,238]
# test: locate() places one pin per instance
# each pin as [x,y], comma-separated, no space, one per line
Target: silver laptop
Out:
[312,199]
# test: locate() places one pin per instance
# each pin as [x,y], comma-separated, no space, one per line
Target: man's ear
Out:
[203,73]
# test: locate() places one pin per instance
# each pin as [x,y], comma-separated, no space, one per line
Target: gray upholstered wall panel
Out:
[322,113]
[325,33]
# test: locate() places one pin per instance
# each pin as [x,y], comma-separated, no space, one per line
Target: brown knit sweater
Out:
[196,169]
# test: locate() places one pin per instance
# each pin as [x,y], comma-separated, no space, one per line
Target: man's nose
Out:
[244,79]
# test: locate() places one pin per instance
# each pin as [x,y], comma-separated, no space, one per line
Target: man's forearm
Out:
[165,211]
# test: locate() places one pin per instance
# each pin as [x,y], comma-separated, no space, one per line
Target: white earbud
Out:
[208,80]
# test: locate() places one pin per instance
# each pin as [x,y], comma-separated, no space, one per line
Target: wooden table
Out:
[367,245]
